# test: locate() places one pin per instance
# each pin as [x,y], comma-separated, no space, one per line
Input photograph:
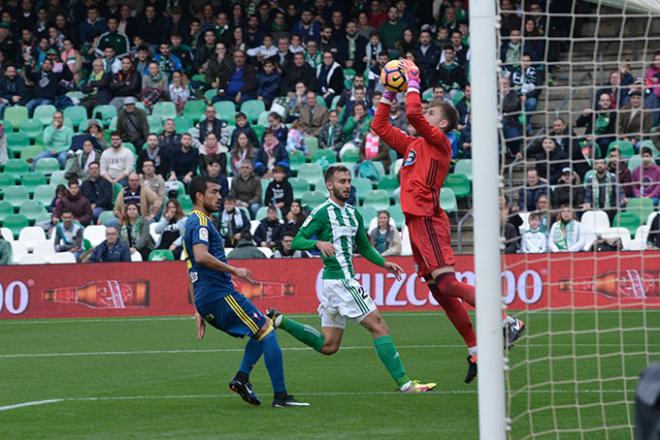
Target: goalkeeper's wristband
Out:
[388,97]
[413,84]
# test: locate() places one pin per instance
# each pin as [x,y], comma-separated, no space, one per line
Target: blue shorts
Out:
[234,314]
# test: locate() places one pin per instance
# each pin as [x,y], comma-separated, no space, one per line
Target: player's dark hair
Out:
[198,185]
[334,169]
[448,111]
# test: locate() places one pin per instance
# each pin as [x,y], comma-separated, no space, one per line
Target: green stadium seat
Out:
[427,95]
[47,165]
[112,127]
[186,204]
[311,172]
[296,158]
[116,189]
[264,184]
[16,167]
[312,144]
[15,115]
[104,113]
[325,155]
[32,180]
[76,114]
[106,217]
[628,220]
[587,175]
[30,151]
[32,127]
[448,200]
[210,94]
[155,123]
[464,166]
[44,194]
[226,111]
[351,155]
[299,186]
[362,186]
[142,107]
[161,255]
[263,118]
[457,98]
[312,199]
[16,195]
[388,183]
[459,183]
[164,110]
[397,215]
[33,210]
[18,139]
[634,162]
[626,148]
[194,110]
[15,222]
[378,199]
[130,146]
[642,207]
[183,124]
[6,208]
[6,180]
[179,187]
[349,73]
[259,130]
[57,178]
[368,213]
[252,109]
[44,114]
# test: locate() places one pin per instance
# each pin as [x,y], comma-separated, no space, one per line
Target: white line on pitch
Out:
[34,403]
[240,350]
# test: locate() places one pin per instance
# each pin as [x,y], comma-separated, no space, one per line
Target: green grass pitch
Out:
[149,378]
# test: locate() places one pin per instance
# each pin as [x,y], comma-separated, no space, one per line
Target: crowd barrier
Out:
[623,280]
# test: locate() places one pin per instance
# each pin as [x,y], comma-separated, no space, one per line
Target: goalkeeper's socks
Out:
[389,356]
[306,334]
[472,351]
[273,359]
[251,355]
[457,314]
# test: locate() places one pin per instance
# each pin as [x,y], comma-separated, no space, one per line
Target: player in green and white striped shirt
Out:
[338,228]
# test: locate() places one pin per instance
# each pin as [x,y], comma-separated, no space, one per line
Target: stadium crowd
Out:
[114,106]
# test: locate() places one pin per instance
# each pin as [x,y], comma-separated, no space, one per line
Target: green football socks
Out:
[306,334]
[389,356]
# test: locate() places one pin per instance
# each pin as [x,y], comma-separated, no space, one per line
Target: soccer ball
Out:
[393,77]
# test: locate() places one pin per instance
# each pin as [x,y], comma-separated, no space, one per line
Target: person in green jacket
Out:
[391,31]
[357,126]
[57,140]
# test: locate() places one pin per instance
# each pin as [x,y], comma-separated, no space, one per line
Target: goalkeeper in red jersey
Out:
[425,166]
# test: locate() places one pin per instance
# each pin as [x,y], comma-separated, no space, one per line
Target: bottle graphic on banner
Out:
[108,294]
[264,289]
[625,284]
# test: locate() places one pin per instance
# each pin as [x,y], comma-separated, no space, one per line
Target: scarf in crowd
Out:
[371,146]
[157,79]
[134,232]
[154,155]
[562,233]
[228,220]
[595,191]
[207,150]
[269,148]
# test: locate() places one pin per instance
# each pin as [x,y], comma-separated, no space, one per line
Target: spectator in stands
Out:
[150,179]
[96,87]
[359,96]
[653,240]
[77,165]
[213,171]
[449,73]
[145,199]
[151,27]
[168,63]
[534,240]
[232,222]
[241,84]
[179,91]
[385,238]
[212,149]
[294,218]
[70,56]
[266,50]
[398,117]
[600,125]
[243,126]
[269,83]
[154,85]
[602,190]
[245,249]
[142,60]
[374,73]
[373,148]
[426,56]
[125,83]
[526,80]
[169,140]
[246,188]
[511,107]
[111,63]
[74,202]
[545,211]
[511,49]
[312,116]
[330,78]
[279,192]
[511,223]
[171,228]
[205,50]
[242,150]
[68,235]
[618,167]
[13,90]
[284,249]
[352,47]
[57,139]
[112,250]
[93,27]
[159,156]
[271,154]
[117,162]
[652,78]
[46,85]
[269,232]
[646,177]
[509,18]
[307,27]
[6,251]
[551,161]
[135,231]
[635,122]
[534,41]
[185,160]
[357,126]
[565,235]
[528,196]
[331,137]
[113,38]
[406,45]
[211,124]
[97,190]
[277,126]
[614,88]
[132,125]
[568,190]
[218,66]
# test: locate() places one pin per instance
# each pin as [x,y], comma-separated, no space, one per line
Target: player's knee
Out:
[380,328]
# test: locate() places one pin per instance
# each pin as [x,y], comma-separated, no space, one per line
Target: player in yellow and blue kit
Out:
[219,304]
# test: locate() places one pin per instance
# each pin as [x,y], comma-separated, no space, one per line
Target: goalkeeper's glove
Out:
[413,75]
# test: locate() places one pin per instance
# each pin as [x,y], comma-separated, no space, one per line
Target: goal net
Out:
[579,94]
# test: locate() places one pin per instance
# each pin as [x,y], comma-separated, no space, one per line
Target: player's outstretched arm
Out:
[393,137]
